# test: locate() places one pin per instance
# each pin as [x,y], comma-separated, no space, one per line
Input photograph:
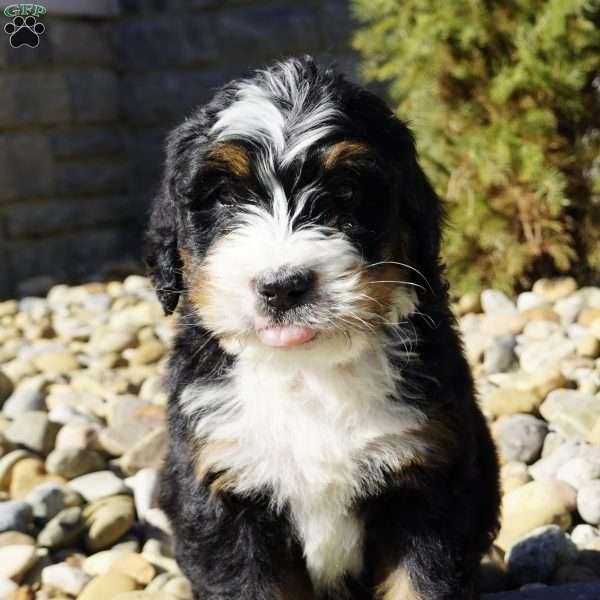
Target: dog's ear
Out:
[182,162]
[426,210]
[417,202]
[162,256]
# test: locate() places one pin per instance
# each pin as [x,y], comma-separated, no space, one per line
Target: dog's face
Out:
[294,217]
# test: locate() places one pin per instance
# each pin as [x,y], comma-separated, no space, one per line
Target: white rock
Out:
[545,354]
[98,485]
[569,308]
[583,534]
[539,330]
[155,517]
[499,355]
[15,561]
[493,301]
[527,300]
[576,332]
[578,471]
[36,308]
[100,563]
[547,467]
[134,283]
[22,400]
[145,489]
[7,589]
[66,578]
[571,412]
[63,413]
[588,502]
[470,323]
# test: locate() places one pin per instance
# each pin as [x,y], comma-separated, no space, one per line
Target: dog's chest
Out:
[315,440]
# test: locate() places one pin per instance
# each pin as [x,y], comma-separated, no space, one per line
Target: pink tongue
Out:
[285,336]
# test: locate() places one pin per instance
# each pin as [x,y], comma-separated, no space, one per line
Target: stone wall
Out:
[83,116]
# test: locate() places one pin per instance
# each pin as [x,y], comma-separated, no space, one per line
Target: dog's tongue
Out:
[285,335]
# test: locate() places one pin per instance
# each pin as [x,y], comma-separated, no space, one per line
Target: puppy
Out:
[325,441]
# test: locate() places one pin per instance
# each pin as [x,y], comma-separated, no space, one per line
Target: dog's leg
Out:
[230,548]
[430,569]
[227,552]
[427,547]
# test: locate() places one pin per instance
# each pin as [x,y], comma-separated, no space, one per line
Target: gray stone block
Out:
[261,33]
[145,151]
[106,176]
[27,169]
[346,63]
[7,287]
[336,24]
[92,95]
[33,99]
[75,256]
[70,215]
[74,42]
[167,96]
[141,7]
[86,143]
[166,40]
[578,591]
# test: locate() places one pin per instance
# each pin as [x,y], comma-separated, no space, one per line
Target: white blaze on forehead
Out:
[278,112]
[252,115]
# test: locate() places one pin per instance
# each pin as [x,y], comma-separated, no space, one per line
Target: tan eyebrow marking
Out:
[343,151]
[231,157]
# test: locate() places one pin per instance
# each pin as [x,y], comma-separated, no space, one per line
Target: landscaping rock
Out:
[107,520]
[588,502]
[15,515]
[72,462]
[540,554]
[23,400]
[83,402]
[34,431]
[98,485]
[16,561]
[520,437]
[538,503]
[107,586]
[64,529]
[66,578]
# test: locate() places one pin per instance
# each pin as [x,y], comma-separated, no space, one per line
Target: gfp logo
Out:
[24,29]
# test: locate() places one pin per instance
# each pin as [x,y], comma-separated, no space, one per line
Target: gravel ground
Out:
[82,435]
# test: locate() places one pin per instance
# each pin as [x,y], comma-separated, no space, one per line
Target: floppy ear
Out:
[427,210]
[162,253]
[162,256]
[418,203]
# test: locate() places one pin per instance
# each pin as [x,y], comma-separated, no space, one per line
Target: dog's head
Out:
[294,217]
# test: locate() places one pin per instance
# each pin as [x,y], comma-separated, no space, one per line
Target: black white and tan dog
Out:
[324,437]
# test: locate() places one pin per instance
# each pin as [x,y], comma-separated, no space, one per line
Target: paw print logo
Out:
[24,32]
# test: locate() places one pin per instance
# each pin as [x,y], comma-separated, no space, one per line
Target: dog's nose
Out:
[285,289]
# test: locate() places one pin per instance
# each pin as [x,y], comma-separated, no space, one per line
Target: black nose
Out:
[285,289]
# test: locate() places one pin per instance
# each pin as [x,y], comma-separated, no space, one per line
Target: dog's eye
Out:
[347,223]
[347,193]
[225,200]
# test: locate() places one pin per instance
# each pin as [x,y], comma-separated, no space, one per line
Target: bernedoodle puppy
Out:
[325,441]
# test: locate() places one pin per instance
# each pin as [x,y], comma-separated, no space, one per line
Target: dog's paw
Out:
[24,32]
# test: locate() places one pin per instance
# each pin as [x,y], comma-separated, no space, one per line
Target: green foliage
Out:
[504,98]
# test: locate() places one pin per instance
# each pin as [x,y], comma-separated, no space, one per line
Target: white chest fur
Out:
[315,438]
